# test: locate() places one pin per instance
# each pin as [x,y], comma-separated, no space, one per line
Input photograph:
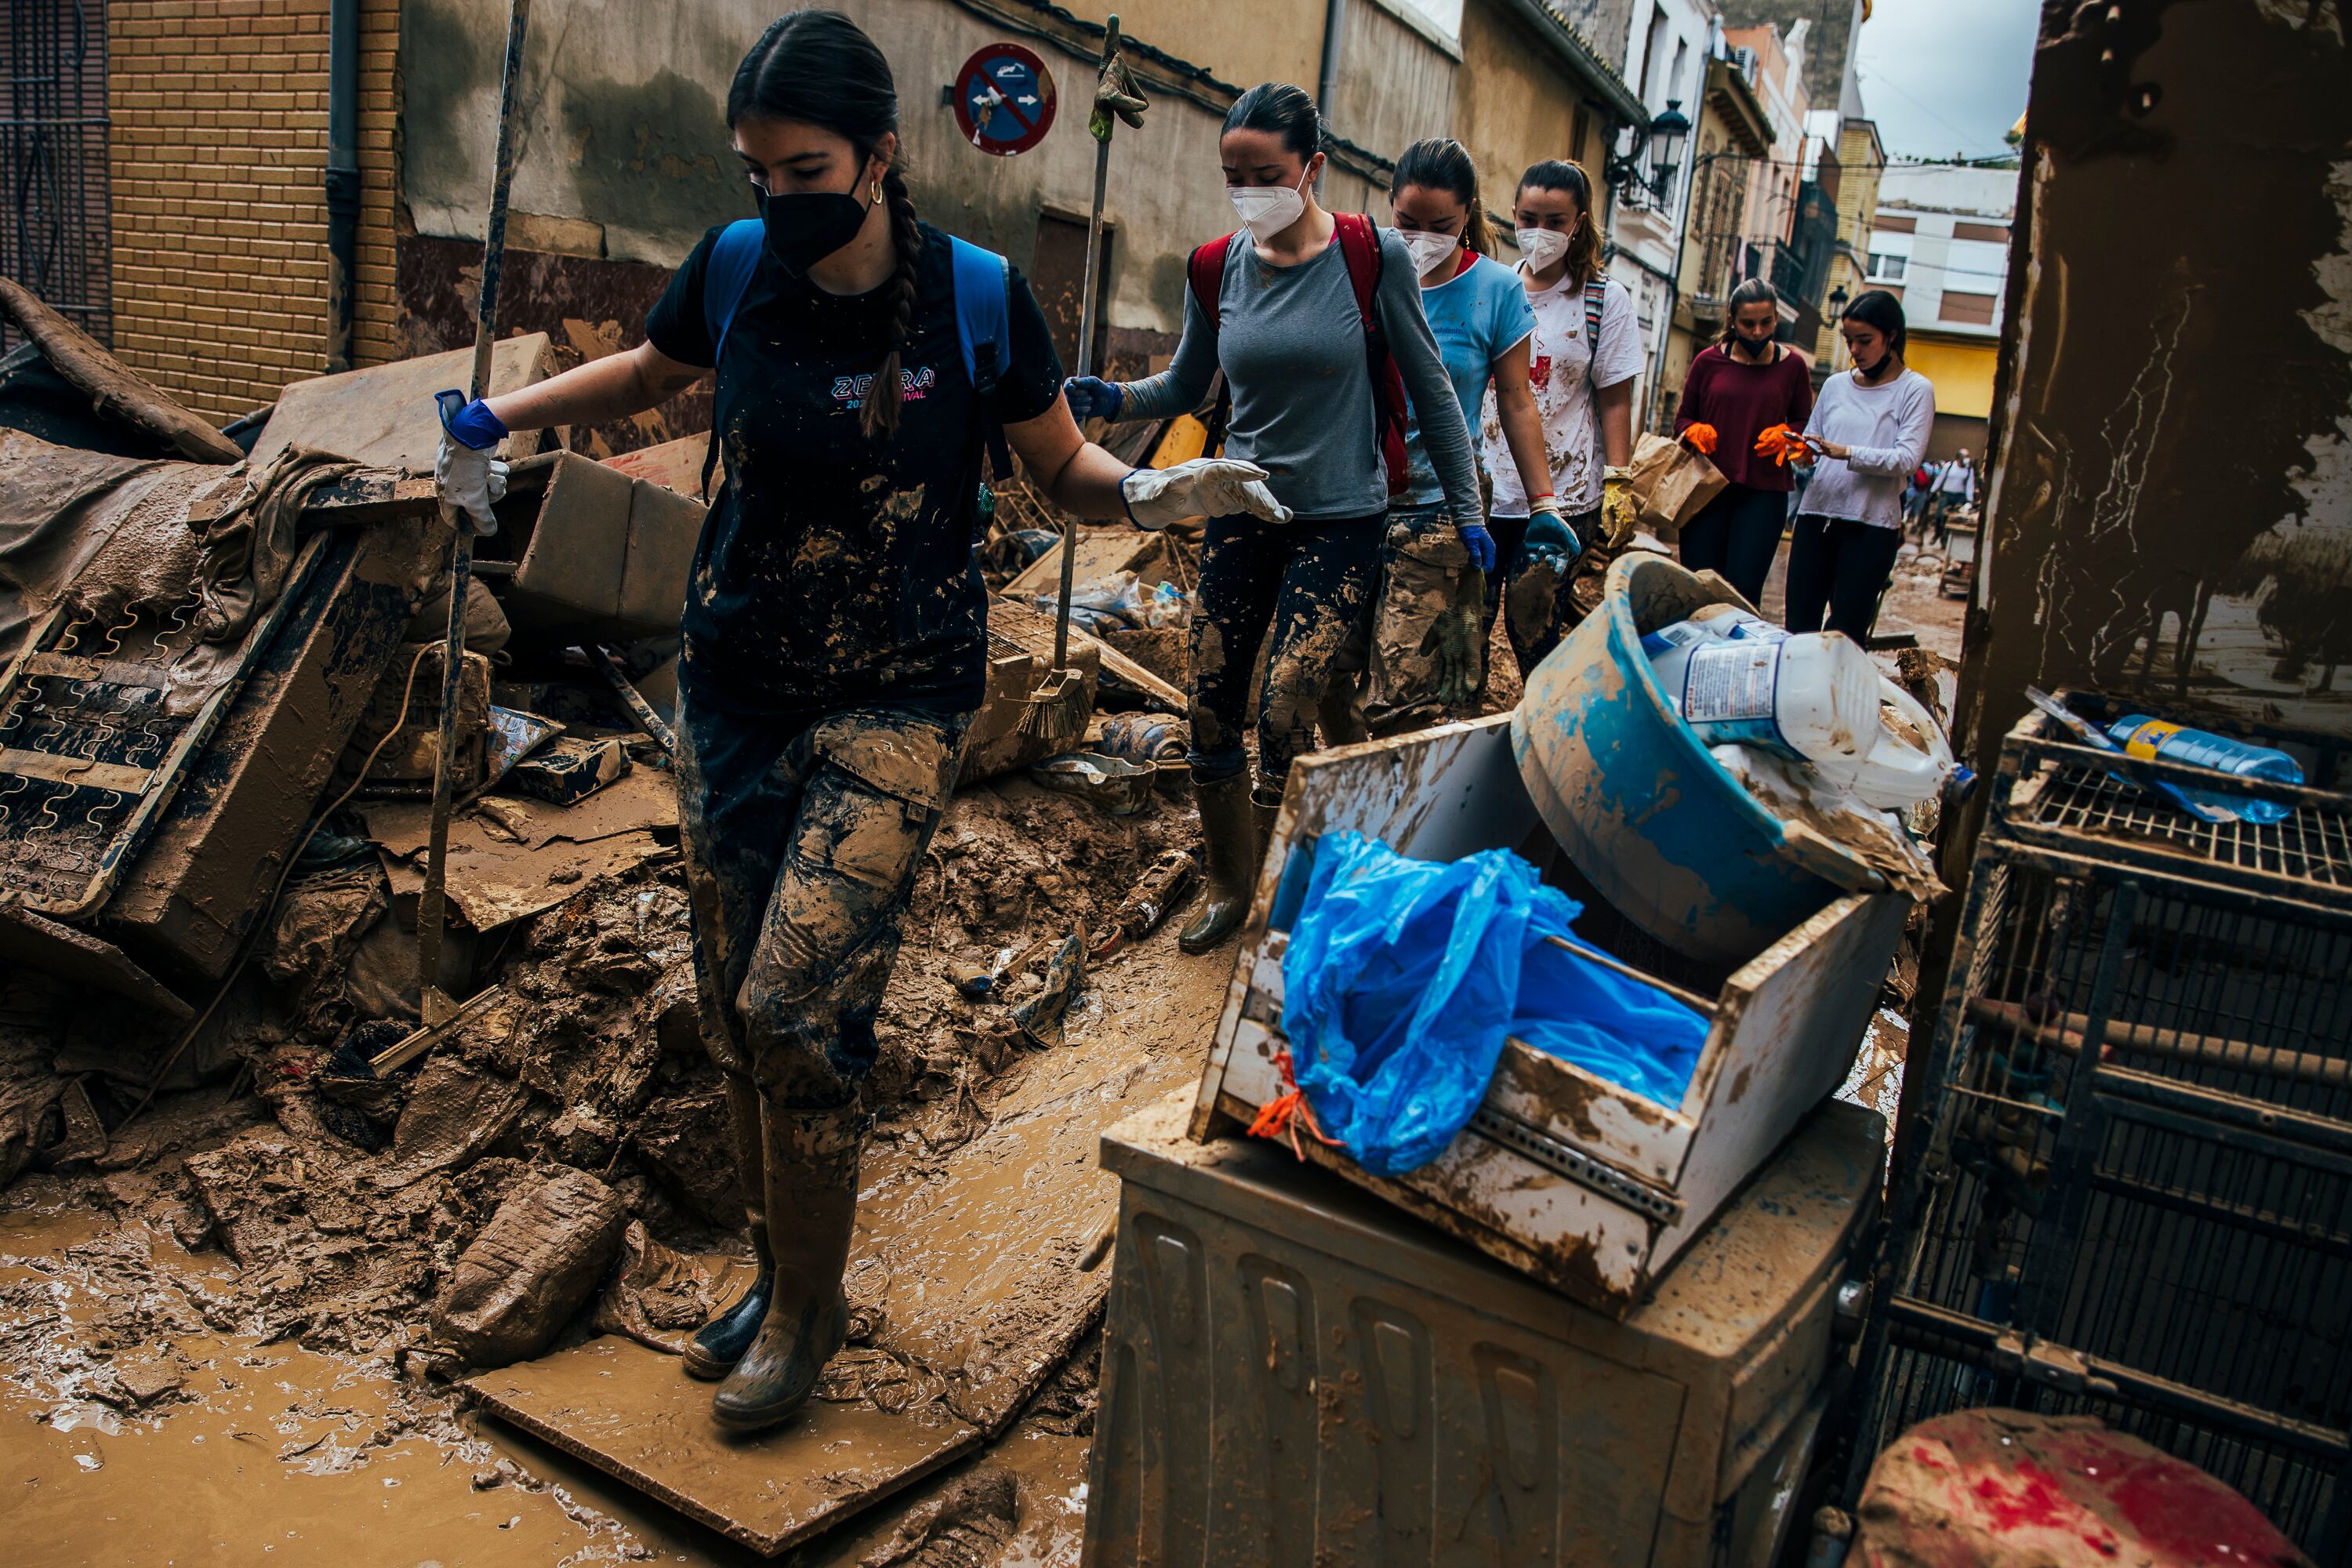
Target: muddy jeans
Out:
[802,842]
[1311,584]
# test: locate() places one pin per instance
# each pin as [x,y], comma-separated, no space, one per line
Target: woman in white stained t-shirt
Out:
[1583,381]
[1869,428]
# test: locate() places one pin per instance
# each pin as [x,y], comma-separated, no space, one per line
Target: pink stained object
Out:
[2004,1489]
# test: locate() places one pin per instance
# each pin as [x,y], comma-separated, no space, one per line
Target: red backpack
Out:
[1360,246]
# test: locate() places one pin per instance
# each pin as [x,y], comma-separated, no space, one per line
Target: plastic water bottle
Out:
[2149,738]
[1814,695]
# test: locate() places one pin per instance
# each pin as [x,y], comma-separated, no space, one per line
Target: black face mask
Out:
[803,227]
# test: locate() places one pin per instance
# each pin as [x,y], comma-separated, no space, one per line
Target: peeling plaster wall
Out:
[626,155]
[2171,505]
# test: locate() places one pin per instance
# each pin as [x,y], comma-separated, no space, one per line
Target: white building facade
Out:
[1667,49]
[1940,243]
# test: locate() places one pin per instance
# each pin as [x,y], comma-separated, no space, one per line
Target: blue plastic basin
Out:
[1662,829]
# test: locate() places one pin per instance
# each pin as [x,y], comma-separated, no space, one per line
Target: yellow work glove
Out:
[1618,516]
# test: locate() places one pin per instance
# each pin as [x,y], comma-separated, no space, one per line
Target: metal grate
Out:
[2136,1194]
[2314,845]
[53,233]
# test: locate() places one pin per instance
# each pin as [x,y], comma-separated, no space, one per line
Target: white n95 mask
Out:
[1266,210]
[1430,252]
[1542,247]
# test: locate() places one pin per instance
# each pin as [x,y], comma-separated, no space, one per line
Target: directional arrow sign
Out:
[1004,100]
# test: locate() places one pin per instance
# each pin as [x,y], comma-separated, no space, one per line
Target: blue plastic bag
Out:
[1403,977]
[1617,1029]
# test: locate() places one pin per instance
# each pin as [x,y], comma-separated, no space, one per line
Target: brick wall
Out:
[376,333]
[218,157]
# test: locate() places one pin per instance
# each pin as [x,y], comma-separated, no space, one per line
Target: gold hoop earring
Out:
[877,193]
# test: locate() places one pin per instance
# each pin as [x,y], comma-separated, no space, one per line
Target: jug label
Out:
[1731,683]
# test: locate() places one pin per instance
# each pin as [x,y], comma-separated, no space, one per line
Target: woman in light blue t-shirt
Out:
[1426,652]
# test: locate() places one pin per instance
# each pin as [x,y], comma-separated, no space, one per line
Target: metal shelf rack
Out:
[2133,1191]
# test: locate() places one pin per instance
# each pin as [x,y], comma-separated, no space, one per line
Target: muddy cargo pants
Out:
[1540,607]
[1301,591]
[1426,573]
[802,841]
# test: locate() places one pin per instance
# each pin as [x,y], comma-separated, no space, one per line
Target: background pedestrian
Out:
[1743,385]
[1869,428]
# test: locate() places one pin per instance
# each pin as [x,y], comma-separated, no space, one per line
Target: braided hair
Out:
[820,68]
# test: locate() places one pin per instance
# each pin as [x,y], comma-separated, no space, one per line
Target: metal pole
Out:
[1100,124]
[1326,87]
[431,909]
[1087,304]
[1674,294]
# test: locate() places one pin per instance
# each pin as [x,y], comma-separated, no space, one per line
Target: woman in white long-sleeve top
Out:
[1869,428]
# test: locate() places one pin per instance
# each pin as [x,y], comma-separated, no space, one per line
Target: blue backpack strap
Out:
[983,308]
[734,259]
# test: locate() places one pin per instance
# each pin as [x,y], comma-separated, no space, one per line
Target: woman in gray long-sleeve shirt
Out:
[1292,344]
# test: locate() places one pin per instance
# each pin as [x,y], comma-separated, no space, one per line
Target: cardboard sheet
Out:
[631,1412]
[511,858]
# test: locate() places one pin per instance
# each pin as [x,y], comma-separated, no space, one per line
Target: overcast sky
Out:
[1941,77]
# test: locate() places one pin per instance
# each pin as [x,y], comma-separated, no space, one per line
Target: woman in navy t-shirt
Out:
[836,632]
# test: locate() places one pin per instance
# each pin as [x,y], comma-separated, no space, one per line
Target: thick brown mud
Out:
[214,1342]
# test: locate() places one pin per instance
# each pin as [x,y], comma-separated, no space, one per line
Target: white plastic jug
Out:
[1731,622]
[1812,695]
[1895,774]
[1669,649]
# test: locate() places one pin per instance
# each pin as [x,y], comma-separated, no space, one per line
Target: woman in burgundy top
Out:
[1744,385]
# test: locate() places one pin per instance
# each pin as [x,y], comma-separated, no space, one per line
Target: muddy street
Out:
[236,1312]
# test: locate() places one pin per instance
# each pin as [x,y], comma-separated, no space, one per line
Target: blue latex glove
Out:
[1480,545]
[1552,543]
[1092,397]
[470,423]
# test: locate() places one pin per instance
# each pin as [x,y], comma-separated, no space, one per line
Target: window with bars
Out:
[53,232]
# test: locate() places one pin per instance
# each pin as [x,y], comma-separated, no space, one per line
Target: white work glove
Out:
[465,476]
[1205,486]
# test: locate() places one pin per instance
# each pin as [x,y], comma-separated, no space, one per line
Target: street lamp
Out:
[1667,133]
[1837,302]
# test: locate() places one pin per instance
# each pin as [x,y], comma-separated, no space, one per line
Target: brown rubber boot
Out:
[1230,851]
[722,1342]
[811,1194]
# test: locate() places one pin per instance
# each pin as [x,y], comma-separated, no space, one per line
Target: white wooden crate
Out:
[1577,1182]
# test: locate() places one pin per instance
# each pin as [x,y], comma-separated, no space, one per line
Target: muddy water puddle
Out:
[164,1447]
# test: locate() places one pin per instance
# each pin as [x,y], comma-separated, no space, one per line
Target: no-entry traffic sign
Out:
[1004,100]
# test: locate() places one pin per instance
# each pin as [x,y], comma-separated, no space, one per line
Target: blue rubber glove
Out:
[1480,545]
[1552,543]
[471,423]
[1092,397]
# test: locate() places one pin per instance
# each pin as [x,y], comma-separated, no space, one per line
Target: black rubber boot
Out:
[723,1341]
[810,1160]
[1230,855]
